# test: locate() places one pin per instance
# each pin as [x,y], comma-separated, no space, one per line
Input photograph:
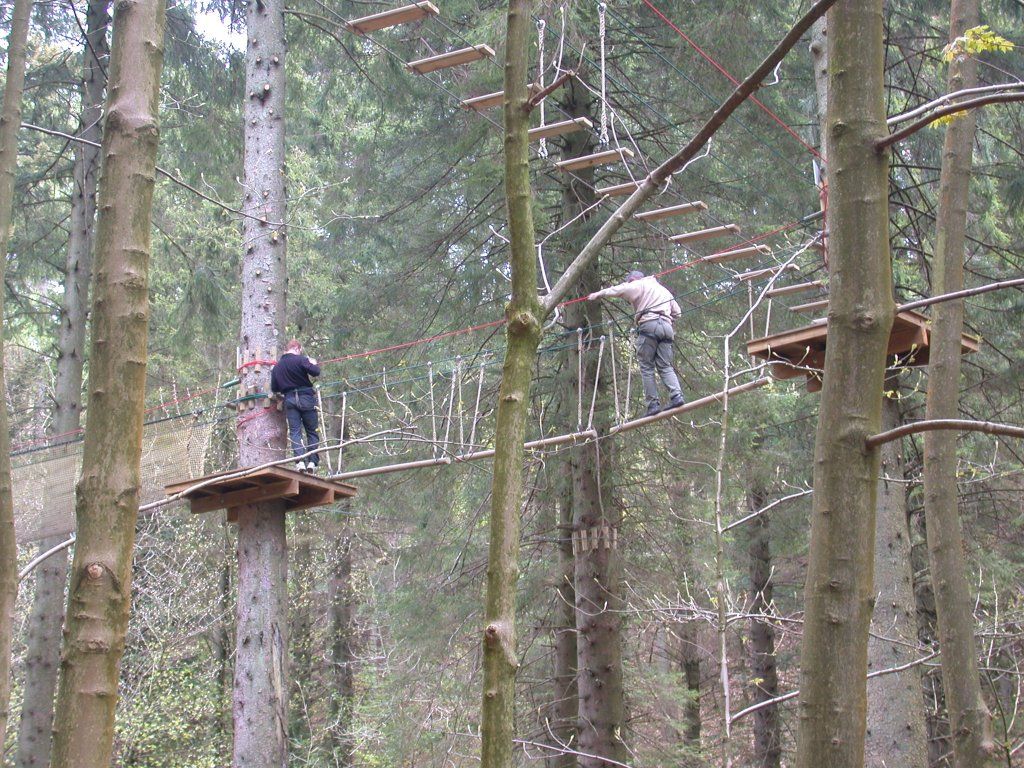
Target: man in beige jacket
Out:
[654,310]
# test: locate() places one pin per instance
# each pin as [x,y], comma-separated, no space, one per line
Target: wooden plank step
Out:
[811,306]
[672,210]
[757,274]
[450,59]
[737,253]
[486,101]
[392,18]
[705,234]
[559,129]
[598,158]
[786,290]
[619,189]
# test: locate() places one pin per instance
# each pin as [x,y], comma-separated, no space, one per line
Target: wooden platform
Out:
[392,18]
[450,59]
[225,490]
[801,352]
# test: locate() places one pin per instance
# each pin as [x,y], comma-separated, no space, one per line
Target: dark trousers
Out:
[654,351]
[300,410]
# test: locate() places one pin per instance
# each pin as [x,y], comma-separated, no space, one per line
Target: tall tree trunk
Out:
[601,718]
[523,315]
[99,595]
[940,746]
[896,726]
[343,652]
[689,653]
[970,721]
[47,613]
[260,708]
[767,728]
[838,594]
[10,122]
[565,704]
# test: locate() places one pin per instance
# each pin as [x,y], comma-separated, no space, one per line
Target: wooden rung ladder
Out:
[450,59]
[392,18]
[561,128]
[619,189]
[598,158]
[786,290]
[811,306]
[705,234]
[757,274]
[672,210]
[737,253]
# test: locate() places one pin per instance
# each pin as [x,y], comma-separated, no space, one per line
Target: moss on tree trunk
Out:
[838,593]
[108,492]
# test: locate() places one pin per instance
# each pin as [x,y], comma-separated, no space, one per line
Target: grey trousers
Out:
[654,351]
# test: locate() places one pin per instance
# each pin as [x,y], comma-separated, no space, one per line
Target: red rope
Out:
[251,363]
[731,79]
[417,342]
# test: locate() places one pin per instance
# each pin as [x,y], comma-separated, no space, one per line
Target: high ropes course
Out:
[439,410]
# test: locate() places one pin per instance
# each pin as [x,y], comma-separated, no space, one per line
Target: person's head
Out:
[294,346]
[634,275]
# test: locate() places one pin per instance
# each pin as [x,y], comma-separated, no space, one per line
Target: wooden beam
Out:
[619,189]
[672,210]
[705,234]
[450,59]
[757,274]
[264,492]
[311,497]
[392,18]
[598,158]
[786,290]
[738,253]
[811,306]
[486,101]
[558,129]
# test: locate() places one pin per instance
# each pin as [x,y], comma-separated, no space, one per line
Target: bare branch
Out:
[963,425]
[952,109]
[949,97]
[1016,282]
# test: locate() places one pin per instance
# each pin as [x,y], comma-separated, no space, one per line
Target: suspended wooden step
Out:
[392,18]
[488,100]
[705,234]
[786,290]
[598,158]
[619,189]
[559,129]
[227,490]
[479,103]
[801,352]
[737,253]
[672,210]
[811,306]
[757,274]
[450,59]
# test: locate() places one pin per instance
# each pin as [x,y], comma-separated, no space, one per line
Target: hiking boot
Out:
[676,401]
[300,466]
[653,407]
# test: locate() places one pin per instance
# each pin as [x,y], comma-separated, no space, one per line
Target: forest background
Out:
[395,230]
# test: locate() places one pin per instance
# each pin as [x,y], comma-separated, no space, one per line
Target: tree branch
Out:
[1016,282]
[660,174]
[963,425]
[952,109]
[954,95]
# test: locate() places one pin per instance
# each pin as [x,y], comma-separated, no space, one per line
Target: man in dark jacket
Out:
[291,379]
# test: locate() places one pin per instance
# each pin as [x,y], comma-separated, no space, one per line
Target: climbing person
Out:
[290,378]
[654,309]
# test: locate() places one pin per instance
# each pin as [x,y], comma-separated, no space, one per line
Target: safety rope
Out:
[541,24]
[601,7]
